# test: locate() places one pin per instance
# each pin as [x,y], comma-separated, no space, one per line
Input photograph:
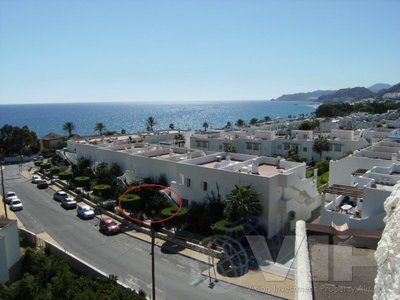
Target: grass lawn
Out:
[309,173]
[322,179]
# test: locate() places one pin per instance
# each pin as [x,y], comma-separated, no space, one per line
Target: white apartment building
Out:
[359,184]
[285,193]
[266,143]
[9,248]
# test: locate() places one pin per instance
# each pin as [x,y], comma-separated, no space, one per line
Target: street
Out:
[177,277]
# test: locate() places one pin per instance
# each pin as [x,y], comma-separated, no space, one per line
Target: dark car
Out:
[42,184]
[109,226]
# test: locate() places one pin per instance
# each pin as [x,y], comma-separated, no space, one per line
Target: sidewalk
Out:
[260,281]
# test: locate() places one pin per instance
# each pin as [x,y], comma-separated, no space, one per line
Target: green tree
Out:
[205,126]
[150,123]
[321,144]
[229,148]
[172,126]
[253,121]
[228,125]
[293,155]
[240,123]
[123,131]
[18,141]
[69,127]
[309,125]
[267,118]
[242,202]
[99,128]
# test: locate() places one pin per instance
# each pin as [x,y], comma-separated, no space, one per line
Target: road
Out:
[177,277]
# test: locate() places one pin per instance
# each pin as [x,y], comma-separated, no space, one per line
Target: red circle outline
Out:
[135,187]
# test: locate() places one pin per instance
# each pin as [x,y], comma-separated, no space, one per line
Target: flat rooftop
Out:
[222,162]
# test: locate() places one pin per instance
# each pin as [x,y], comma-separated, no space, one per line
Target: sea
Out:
[47,118]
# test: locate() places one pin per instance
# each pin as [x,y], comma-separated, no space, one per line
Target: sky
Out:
[186,51]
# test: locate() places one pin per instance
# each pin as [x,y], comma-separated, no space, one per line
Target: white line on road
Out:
[164,259]
[180,266]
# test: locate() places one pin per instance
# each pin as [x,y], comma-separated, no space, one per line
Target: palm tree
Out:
[171,126]
[321,144]
[150,122]
[228,125]
[205,125]
[253,121]
[239,123]
[100,128]
[69,127]
[242,202]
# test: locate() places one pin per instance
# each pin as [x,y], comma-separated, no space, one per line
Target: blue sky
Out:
[183,50]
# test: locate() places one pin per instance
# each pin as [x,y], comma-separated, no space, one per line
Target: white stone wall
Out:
[387,255]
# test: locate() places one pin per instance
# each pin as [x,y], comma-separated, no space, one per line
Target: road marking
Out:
[140,249]
[164,259]
[180,266]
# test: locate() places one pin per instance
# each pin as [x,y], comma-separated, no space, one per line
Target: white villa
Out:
[264,142]
[360,183]
[285,193]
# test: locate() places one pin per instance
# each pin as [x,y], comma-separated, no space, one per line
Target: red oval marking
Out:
[132,188]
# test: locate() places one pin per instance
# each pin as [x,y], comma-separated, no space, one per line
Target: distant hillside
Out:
[311,96]
[377,87]
[391,93]
[350,94]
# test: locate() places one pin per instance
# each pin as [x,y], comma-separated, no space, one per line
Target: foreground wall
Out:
[387,281]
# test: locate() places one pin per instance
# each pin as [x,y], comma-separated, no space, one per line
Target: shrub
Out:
[102,190]
[225,227]
[82,181]
[65,175]
[38,163]
[176,221]
[45,166]
[55,170]
[130,202]
[323,166]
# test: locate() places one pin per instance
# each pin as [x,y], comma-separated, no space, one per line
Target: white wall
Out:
[9,246]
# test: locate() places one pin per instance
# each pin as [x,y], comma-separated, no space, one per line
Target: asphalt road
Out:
[177,277]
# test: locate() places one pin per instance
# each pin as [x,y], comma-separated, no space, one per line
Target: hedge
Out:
[176,221]
[102,190]
[225,227]
[130,202]
[55,170]
[65,175]
[82,181]
[38,163]
[45,166]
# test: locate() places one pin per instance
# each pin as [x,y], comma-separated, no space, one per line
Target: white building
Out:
[285,193]
[359,184]
[263,142]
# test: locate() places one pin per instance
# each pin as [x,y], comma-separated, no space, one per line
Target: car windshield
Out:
[11,194]
[110,222]
[86,208]
[16,202]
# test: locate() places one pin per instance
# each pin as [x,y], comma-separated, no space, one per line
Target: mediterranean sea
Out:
[46,118]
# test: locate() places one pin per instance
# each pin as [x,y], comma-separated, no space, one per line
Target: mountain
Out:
[311,96]
[349,94]
[377,87]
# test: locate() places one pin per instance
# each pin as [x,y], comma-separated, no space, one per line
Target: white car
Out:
[16,204]
[9,196]
[68,202]
[36,178]
[85,212]
[60,195]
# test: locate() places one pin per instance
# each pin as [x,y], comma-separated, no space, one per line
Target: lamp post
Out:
[2,185]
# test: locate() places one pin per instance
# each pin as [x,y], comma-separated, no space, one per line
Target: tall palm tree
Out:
[321,144]
[171,126]
[205,125]
[69,127]
[150,122]
[99,128]
[242,202]
[228,125]
[253,121]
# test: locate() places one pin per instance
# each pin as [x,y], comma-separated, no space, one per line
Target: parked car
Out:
[68,202]
[108,226]
[16,204]
[60,195]
[42,184]
[85,212]
[36,178]
[9,196]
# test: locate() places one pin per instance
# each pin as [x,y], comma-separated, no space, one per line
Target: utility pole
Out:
[4,193]
[153,279]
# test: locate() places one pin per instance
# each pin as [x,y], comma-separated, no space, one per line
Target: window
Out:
[256,146]
[204,185]
[248,146]
[204,144]
[198,144]
[286,146]
[188,182]
[304,149]
[220,147]
[337,148]
[279,147]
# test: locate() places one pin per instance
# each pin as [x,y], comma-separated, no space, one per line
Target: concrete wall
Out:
[9,249]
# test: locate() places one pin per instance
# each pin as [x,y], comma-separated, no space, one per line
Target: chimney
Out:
[254,167]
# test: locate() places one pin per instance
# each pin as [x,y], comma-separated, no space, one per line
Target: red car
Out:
[109,226]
